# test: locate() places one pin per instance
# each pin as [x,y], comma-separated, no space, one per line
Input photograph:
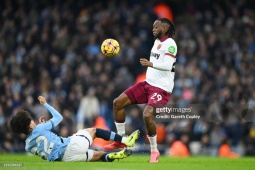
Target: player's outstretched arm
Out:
[164,66]
[56,116]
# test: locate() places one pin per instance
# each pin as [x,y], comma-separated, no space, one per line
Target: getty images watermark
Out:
[11,164]
[195,112]
[175,113]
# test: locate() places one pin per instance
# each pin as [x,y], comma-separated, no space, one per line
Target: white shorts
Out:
[78,148]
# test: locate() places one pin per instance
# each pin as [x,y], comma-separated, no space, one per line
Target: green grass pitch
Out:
[134,162]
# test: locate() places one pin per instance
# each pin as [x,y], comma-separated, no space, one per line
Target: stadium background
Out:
[52,48]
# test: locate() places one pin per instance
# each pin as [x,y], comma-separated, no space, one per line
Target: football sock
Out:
[105,158]
[153,143]
[124,139]
[108,135]
[120,128]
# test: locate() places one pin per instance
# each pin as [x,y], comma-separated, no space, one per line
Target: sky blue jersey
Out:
[43,142]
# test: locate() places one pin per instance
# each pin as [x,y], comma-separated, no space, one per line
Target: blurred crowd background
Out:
[52,48]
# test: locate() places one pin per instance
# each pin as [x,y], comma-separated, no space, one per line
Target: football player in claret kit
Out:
[43,142]
[155,90]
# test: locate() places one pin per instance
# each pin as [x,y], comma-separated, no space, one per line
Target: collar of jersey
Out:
[163,38]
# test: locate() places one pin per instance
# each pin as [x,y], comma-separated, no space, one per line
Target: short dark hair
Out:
[20,122]
[171,30]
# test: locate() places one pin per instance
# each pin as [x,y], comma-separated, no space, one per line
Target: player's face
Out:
[157,29]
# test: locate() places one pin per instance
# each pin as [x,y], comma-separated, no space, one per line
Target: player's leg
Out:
[134,94]
[76,152]
[97,155]
[109,135]
[109,157]
[148,120]
[156,97]
[78,148]
[119,114]
[151,130]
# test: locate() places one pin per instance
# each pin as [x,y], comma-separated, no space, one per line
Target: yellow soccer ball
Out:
[110,47]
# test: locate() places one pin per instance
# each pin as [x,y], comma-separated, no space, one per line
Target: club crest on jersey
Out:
[159,46]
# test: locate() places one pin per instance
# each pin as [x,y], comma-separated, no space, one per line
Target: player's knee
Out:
[147,113]
[91,131]
[117,103]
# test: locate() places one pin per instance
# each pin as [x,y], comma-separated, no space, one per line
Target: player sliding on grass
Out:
[157,87]
[43,142]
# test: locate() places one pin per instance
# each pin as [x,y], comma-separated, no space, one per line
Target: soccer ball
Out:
[110,47]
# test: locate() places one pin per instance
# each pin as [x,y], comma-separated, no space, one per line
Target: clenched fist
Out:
[42,100]
[145,62]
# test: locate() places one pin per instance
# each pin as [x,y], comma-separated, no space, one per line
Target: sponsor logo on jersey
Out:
[171,49]
[155,55]
[159,46]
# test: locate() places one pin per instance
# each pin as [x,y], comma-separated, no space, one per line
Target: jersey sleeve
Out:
[170,48]
[56,116]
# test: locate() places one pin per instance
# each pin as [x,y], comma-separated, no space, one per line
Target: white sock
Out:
[153,143]
[120,128]
[124,139]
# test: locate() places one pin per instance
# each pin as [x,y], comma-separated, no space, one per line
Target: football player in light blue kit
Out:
[49,146]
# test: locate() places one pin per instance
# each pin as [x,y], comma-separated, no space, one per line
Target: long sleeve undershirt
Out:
[56,116]
[166,65]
